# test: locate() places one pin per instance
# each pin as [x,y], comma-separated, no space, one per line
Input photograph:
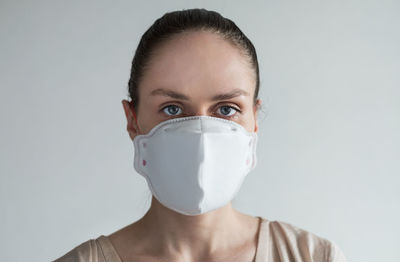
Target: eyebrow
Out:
[177,95]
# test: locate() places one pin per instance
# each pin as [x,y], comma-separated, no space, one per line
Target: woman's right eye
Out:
[172,110]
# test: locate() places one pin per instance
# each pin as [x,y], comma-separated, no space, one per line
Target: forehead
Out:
[198,62]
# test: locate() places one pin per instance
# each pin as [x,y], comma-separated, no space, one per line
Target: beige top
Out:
[277,242]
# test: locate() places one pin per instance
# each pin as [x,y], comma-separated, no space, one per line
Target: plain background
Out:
[329,148]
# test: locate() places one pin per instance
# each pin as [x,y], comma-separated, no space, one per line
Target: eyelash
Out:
[234,108]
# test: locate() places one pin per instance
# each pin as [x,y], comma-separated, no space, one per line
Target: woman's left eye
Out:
[227,110]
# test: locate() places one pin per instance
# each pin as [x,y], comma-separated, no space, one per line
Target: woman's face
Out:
[195,73]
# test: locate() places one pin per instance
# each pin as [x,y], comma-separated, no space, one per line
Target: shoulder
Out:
[303,245]
[87,251]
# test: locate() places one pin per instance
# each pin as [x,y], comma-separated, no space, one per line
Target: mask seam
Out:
[202,168]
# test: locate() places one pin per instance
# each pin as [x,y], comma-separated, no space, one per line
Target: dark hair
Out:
[173,23]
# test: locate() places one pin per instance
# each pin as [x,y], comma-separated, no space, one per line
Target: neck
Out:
[191,236]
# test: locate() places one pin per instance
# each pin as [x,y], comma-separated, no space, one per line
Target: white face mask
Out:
[195,164]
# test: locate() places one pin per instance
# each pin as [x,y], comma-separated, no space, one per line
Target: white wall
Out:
[329,143]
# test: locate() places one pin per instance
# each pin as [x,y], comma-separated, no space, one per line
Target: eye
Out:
[228,110]
[172,110]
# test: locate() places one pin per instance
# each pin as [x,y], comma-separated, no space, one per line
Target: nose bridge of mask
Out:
[196,124]
[203,124]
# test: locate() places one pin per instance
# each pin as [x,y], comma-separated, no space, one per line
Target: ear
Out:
[256,108]
[131,124]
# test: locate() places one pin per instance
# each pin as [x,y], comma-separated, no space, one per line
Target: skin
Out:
[197,65]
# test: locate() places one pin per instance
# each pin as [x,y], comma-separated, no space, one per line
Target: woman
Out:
[193,120]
